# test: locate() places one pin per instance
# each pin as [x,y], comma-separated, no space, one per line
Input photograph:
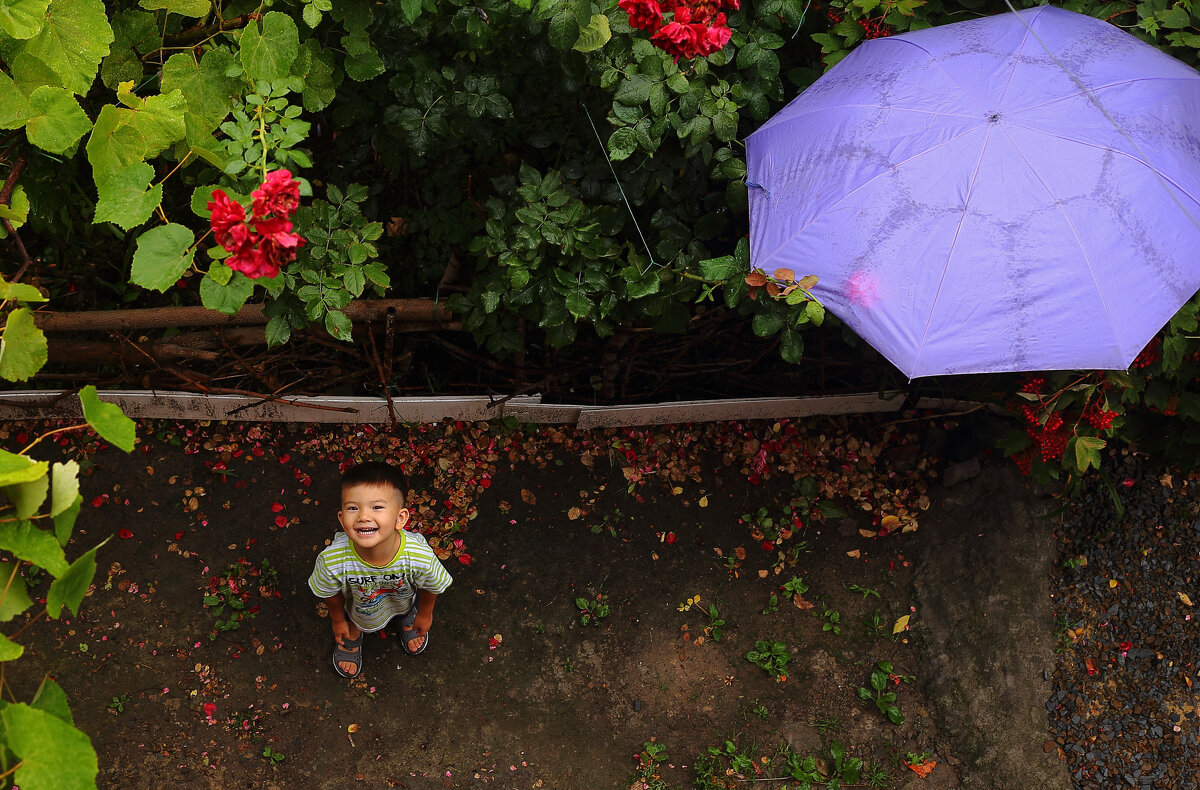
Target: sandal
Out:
[407,633]
[341,653]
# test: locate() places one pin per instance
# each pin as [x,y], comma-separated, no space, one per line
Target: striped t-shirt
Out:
[374,595]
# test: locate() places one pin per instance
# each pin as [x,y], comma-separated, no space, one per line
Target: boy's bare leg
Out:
[352,632]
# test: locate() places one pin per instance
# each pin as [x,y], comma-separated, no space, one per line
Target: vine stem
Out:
[51,433]
[13,769]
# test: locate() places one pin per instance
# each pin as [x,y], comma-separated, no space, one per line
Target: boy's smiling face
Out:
[370,516]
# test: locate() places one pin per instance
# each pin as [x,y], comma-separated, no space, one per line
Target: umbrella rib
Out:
[1088,144]
[864,185]
[1067,218]
[1095,90]
[953,243]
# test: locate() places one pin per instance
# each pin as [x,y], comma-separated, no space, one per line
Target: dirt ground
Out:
[513,692]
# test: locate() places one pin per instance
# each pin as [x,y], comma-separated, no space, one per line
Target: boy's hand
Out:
[341,630]
[422,622]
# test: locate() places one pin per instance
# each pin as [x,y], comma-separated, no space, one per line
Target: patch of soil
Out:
[513,691]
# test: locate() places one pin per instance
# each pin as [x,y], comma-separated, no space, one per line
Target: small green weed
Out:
[741,761]
[1071,563]
[795,586]
[873,625]
[118,703]
[846,769]
[832,618]
[864,591]
[1063,626]
[272,756]
[716,625]
[609,523]
[884,700]
[772,604]
[877,776]
[593,610]
[232,591]
[917,758]
[760,710]
[649,761]
[771,657]
[827,725]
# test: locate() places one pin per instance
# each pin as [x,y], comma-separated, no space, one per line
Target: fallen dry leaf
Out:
[574,513]
[1184,597]
[703,501]
[866,533]
[528,497]
[923,769]
[802,603]
[901,624]
[855,553]
[1090,663]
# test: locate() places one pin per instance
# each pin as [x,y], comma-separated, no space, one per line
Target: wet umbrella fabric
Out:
[968,207]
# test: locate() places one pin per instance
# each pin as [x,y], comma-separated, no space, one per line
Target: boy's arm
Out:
[337,617]
[424,618]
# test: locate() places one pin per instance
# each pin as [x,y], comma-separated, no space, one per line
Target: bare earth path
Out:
[513,691]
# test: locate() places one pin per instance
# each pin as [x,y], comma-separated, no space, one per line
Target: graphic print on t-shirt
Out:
[371,592]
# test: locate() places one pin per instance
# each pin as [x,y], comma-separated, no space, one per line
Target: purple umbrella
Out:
[1017,192]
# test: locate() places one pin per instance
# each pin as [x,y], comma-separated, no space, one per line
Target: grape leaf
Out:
[163,254]
[22,347]
[72,41]
[56,121]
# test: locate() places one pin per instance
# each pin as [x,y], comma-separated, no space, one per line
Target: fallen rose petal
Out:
[465,559]
[1126,645]
[281,521]
[276,507]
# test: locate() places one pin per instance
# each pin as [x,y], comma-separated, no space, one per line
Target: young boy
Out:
[375,570]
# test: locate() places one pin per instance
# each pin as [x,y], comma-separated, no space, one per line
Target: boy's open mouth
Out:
[366,530]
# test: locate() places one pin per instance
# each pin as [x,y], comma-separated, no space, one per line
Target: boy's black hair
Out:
[376,473]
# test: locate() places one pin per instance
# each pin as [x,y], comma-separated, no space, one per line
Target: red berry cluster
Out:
[875,28]
[1098,417]
[1149,355]
[1024,460]
[1033,384]
[1049,438]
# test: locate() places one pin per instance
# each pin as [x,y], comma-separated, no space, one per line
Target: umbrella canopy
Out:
[1017,192]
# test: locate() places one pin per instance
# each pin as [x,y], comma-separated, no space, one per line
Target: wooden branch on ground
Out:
[425,311]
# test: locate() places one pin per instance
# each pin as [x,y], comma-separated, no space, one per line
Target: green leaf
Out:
[22,18]
[594,35]
[53,700]
[767,324]
[207,91]
[64,522]
[1087,451]
[114,144]
[19,468]
[578,303]
[721,268]
[622,143]
[107,419]
[321,81]
[192,8]
[278,331]
[791,346]
[56,121]
[134,33]
[71,43]
[123,196]
[38,546]
[70,587]
[227,298]
[563,31]
[20,292]
[634,90]
[28,497]
[338,325]
[162,255]
[9,650]
[64,488]
[362,60]
[1174,17]
[815,311]
[22,347]
[14,105]
[159,118]
[268,55]
[15,601]
[52,753]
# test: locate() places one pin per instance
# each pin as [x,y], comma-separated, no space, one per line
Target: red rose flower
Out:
[279,195]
